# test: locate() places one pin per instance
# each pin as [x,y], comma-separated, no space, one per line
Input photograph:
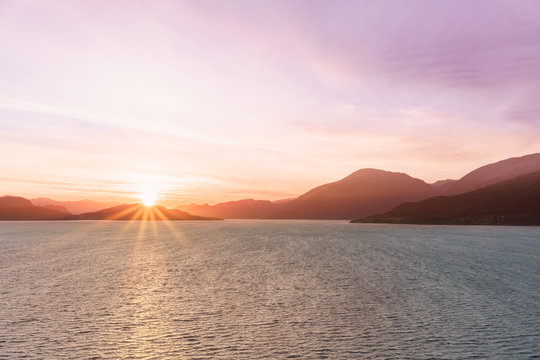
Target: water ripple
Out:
[268,290]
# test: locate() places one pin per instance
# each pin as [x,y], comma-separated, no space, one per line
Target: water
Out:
[268,289]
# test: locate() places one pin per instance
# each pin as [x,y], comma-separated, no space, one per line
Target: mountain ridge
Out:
[495,172]
[238,209]
[510,202]
[75,206]
[19,208]
[365,191]
[139,212]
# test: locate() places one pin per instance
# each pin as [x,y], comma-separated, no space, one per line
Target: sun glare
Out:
[148,198]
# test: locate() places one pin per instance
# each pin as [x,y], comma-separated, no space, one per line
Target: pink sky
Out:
[208,101]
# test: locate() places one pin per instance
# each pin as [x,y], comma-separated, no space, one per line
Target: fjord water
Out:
[268,289]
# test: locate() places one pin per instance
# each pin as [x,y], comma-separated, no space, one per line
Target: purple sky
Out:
[219,100]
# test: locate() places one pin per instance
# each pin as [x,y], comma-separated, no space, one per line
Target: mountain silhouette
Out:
[74,207]
[511,202]
[442,186]
[140,212]
[59,208]
[494,173]
[240,209]
[364,192]
[19,208]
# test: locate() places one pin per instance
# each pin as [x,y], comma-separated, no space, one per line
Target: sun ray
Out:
[131,221]
[142,228]
[152,214]
[179,237]
[119,215]
[153,222]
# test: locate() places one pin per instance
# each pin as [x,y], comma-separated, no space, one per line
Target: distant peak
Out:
[371,172]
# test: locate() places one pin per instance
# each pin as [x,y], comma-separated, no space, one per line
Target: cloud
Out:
[280,94]
[453,43]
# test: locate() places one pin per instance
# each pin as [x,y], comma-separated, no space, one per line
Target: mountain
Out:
[18,208]
[75,207]
[282,201]
[364,192]
[140,212]
[511,202]
[59,208]
[240,209]
[495,173]
[442,186]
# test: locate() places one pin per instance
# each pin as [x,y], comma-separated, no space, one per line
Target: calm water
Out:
[268,289]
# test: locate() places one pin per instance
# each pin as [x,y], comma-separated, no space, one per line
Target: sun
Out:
[148,198]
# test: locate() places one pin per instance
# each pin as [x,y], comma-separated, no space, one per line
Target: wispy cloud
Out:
[265,98]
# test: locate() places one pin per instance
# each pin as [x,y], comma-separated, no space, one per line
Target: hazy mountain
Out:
[282,201]
[59,208]
[364,192]
[240,209]
[187,206]
[511,202]
[75,207]
[442,186]
[140,212]
[495,173]
[18,208]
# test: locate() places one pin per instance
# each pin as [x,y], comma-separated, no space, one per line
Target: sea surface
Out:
[268,290]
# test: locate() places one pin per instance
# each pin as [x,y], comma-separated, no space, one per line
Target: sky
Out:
[210,101]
